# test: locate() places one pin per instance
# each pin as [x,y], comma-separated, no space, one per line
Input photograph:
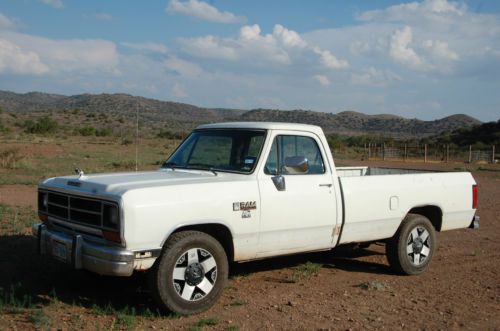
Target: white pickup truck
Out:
[235,192]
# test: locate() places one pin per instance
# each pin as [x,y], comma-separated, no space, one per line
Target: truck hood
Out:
[117,184]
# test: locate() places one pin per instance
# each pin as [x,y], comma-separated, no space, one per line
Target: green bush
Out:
[104,132]
[87,131]
[44,125]
[169,134]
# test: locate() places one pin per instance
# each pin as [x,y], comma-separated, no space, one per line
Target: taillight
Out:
[474,196]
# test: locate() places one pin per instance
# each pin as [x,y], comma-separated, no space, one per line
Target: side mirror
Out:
[296,164]
[279,182]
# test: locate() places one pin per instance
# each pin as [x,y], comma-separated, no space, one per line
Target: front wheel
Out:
[190,274]
[411,249]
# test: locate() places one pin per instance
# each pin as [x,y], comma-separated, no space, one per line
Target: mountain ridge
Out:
[183,116]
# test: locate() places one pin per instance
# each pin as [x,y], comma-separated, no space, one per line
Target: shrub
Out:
[126,141]
[44,125]
[9,157]
[87,131]
[169,134]
[104,132]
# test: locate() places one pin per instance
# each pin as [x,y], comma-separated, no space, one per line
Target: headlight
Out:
[111,218]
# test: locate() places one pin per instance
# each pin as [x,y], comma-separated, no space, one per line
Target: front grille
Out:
[77,209]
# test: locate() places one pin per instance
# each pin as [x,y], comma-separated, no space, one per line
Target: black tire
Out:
[410,250]
[201,288]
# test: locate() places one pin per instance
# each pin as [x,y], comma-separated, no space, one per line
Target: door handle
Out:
[325,185]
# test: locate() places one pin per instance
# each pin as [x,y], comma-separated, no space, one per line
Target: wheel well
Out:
[219,232]
[433,213]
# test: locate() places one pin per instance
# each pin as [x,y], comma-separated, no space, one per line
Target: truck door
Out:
[297,200]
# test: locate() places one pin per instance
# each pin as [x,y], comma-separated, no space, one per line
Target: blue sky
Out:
[425,59]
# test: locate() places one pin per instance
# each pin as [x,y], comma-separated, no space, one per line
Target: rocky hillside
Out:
[180,116]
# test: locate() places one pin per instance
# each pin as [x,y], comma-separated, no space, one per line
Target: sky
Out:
[417,59]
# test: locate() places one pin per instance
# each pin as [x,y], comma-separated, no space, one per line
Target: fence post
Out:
[425,153]
[493,154]
[383,151]
[369,150]
[470,153]
[447,153]
[406,153]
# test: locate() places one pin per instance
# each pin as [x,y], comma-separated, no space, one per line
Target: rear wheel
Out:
[411,249]
[190,274]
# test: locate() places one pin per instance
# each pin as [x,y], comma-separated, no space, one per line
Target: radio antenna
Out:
[136,133]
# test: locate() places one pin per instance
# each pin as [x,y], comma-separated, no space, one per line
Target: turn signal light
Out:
[44,218]
[112,236]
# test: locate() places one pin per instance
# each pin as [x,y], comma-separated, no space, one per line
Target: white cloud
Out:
[254,48]
[210,47]
[183,67]
[53,3]
[440,49]
[250,45]
[401,51]
[374,77]
[15,60]
[322,79]
[329,60]
[6,23]
[150,47]
[83,55]
[202,10]
[288,38]
[179,91]
[432,10]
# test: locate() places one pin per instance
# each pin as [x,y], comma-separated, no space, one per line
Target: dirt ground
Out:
[353,290]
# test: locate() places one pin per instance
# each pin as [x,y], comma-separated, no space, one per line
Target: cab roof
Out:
[263,125]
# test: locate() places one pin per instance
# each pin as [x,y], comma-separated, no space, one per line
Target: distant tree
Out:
[480,136]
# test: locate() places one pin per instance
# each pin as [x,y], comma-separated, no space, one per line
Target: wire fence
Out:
[421,152]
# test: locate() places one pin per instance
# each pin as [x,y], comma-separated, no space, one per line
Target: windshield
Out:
[223,150]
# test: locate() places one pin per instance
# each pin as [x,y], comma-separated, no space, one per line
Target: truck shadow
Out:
[343,258]
[30,279]
[27,277]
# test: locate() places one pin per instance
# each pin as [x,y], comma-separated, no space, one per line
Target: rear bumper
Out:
[475,223]
[81,254]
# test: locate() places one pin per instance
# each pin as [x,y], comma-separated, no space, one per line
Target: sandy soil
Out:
[354,289]
[18,195]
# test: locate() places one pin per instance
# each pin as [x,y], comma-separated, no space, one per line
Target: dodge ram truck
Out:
[235,192]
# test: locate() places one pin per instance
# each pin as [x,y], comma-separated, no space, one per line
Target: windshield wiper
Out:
[171,165]
[201,166]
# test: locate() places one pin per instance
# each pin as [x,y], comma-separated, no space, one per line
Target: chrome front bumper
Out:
[82,254]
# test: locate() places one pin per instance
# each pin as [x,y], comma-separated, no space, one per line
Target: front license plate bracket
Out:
[60,251]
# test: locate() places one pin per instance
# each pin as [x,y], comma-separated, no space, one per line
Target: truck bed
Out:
[375,200]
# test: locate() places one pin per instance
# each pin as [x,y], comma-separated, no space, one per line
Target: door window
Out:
[285,146]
